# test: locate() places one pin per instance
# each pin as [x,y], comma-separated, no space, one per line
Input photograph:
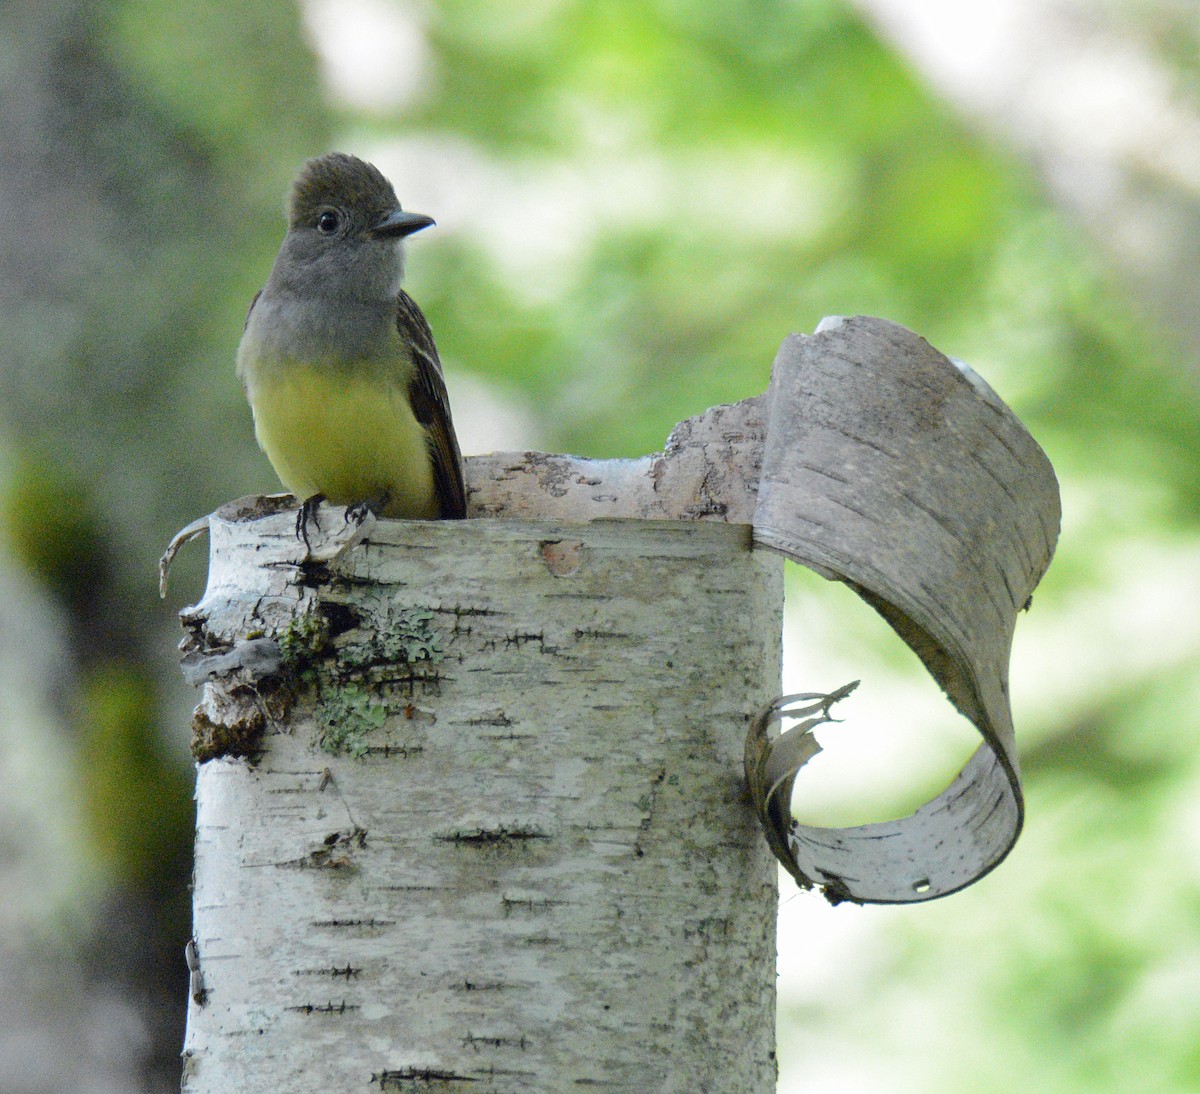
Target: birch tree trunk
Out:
[491,833]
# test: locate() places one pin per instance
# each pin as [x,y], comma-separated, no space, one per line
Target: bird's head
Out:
[345,225]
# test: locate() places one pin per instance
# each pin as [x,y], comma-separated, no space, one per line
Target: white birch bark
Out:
[531,864]
[894,469]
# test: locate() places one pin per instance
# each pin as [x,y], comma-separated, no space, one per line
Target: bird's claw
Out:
[358,512]
[306,515]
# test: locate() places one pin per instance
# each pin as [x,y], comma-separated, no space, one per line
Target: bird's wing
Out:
[430,404]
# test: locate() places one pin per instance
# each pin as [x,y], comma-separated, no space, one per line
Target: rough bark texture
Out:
[708,471]
[495,835]
[489,832]
[894,469]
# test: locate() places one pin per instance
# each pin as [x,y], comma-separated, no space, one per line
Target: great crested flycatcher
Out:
[339,363]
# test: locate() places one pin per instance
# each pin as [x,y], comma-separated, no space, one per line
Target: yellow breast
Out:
[344,433]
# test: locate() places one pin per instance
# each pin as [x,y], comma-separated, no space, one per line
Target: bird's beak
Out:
[397,224]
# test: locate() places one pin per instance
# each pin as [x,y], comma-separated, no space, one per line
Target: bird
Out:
[338,362]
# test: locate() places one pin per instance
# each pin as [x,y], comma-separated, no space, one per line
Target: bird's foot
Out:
[357,513]
[306,515]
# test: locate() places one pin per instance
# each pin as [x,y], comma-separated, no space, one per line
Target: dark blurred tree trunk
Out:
[109,269]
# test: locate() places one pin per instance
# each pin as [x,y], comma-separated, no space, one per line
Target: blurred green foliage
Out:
[51,524]
[137,798]
[680,185]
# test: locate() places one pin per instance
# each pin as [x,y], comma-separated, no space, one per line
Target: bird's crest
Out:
[340,180]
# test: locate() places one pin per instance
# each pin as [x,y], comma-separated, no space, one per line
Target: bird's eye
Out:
[328,222]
